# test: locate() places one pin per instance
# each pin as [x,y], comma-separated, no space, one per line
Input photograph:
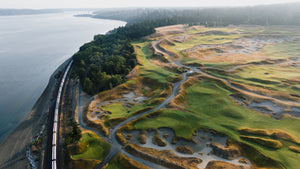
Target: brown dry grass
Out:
[185,150]
[158,140]
[224,165]
[229,152]
[127,162]
[121,138]
[295,149]
[166,158]
[215,57]
[276,133]
[250,96]
[267,92]
[265,142]
[168,66]
[176,101]
[163,44]
[157,55]
[96,124]
[86,164]
[171,30]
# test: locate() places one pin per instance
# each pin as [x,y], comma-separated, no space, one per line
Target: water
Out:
[31,48]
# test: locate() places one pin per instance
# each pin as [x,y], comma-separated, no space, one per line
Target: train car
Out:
[54,139]
[53,153]
[54,127]
[54,164]
[56,116]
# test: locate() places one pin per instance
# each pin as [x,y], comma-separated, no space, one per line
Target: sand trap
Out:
[201,141]
[268,107]
[239,51]
[128,100]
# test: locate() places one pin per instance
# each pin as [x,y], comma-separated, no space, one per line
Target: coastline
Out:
[14,146]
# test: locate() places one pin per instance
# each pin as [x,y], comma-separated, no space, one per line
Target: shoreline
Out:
[14,146]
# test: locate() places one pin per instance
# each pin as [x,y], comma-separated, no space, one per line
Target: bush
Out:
[74,135]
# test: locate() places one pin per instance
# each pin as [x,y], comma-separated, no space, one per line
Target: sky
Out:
[41,4]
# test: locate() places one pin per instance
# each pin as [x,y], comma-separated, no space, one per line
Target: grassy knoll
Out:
[90,147]
[117,110]
[209,105]
[147,69]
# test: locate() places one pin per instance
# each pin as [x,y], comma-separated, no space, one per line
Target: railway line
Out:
[55,121]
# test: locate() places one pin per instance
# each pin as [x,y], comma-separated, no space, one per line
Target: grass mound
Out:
[232,114]
[265,142]
[83,163]
[185,150]
[97,148]
[158,140]
[165,158]
[223,165]
[120,161]
[295,149]
[275,133]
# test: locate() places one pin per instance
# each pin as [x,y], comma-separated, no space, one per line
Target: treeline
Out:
[75,133]
[104,62]
[282,14]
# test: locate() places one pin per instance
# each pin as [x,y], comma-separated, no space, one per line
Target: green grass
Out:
[96,149]
[265,76]
[183,123]
[205,29]
[147,69]
[117,110]
[115,163]
[204,39]
[282,50]
[209,105]
[158,76]
[269,76]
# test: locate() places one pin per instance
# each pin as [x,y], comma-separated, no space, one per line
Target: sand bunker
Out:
[201,144]
[128,100]
[268,107]
[239,51]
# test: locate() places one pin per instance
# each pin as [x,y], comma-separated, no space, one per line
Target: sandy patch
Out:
[128,100]
[200,144]
[240,50]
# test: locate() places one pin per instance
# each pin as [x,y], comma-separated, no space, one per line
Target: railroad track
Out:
[55,121]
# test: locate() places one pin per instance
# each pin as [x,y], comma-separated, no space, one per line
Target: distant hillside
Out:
[279,14]
[27,11]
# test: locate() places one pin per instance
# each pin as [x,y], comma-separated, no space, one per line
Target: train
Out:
[55,121]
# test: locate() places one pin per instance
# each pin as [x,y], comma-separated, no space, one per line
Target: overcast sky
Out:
[37,4]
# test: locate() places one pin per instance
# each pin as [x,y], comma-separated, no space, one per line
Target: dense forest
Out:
[280,14]
[104,62]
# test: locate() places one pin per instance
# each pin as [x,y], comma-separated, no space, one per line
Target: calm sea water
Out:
[31,48]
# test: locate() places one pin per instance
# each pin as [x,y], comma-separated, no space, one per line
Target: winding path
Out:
[111,139]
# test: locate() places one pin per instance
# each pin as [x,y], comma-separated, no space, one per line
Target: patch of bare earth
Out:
[224,165]
[168,30]
[166,158]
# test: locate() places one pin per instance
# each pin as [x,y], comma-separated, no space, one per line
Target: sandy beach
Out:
[13,148]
